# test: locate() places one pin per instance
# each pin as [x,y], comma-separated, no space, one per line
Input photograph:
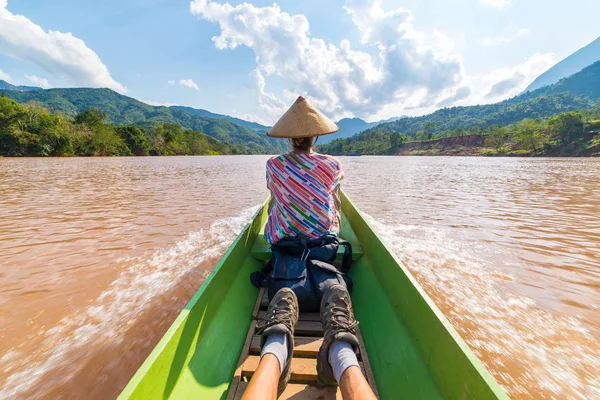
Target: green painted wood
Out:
[413,350]
[199,353]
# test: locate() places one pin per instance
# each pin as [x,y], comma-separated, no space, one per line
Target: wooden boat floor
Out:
[307,341]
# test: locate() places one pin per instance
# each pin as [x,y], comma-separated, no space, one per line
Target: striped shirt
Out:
[304,188]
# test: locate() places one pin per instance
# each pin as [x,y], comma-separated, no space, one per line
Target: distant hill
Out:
[584,83]
[504,113]
[123,110]
[350,127]
[204,113]
[7,86]
[577,92]
[569,66]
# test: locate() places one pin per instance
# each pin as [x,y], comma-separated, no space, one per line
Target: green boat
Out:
[409,349]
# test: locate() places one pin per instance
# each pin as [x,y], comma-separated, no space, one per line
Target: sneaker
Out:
[282,316]
[338,322]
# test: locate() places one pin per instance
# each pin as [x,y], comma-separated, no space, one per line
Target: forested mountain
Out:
[577,92]
[348,127]
[30,130]
[503,113]
[584,83]
[123,110]
[7,86]
[204,113]
[520,115]
[569,66]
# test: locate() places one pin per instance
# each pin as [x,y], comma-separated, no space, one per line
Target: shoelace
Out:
[283,314]
[340,319]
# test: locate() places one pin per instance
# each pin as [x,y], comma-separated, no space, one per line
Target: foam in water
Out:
[531,352]
[111,314]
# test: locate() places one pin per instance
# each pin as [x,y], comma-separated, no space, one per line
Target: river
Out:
[98,255]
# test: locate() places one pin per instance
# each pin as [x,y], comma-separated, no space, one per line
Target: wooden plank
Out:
[264,302]
[303,369]
[261,250]
[299,391]
[303,346]
[233,387]
[367,365]
[309,328]
[261,293]
[315,317]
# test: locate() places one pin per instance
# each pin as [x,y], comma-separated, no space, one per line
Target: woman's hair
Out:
[305,143]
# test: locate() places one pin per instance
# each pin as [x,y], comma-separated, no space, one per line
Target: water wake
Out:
[115,310]
[531,352]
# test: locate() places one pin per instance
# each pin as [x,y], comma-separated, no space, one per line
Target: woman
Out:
[305,190]
[304,185]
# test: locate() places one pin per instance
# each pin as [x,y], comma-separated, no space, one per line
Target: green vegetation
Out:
[31,130]
[569,133]
[123,110]
[577,92]
[454,120]
[366,143]
[561,119]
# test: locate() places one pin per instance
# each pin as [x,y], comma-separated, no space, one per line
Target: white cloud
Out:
[62,55]
[3,75]
[506,82]
[496,3]
[158,103]
[339,79]
[171,82]
[41,82]
[496,40]
[189,83]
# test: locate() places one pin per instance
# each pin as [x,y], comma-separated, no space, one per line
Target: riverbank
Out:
[477,145]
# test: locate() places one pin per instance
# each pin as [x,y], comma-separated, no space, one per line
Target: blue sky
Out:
[368,58]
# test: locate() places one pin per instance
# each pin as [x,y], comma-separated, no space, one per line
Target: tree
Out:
[91,116]
[458,132]
[428,130]
[496,138]
[135,139]
[567,127]
[397,140]
[529,135]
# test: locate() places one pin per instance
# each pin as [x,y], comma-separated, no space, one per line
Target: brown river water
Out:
[98,255]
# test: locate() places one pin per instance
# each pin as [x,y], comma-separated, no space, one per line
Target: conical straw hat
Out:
[302,120]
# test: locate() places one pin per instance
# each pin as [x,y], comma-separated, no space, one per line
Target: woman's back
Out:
[305,189]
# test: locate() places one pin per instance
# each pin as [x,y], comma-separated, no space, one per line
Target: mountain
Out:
[584,83]
[123,110]
[350,127]
[204,113]
[7,86]
[504,113]
[569,66]
[579,91]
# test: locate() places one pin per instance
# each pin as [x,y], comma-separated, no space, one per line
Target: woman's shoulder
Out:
[327,158]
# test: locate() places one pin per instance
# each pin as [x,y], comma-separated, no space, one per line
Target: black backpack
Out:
[305,266]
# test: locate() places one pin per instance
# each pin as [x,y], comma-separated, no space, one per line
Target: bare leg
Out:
[354,386]
[263,385]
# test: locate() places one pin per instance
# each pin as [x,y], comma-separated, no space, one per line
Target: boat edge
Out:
[141,372]
[478,365]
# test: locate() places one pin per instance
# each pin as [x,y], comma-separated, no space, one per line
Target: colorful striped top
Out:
[305,195]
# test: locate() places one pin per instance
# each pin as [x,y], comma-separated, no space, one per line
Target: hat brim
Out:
[302,120]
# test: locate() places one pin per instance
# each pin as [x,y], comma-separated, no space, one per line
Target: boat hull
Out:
[413,350]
